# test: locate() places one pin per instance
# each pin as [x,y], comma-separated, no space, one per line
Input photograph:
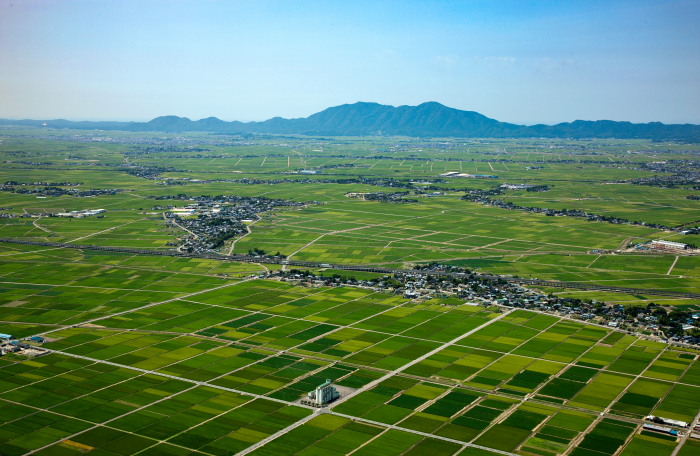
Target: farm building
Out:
[466,175]
[8,348]
[516,186]
[81,214]
[656,419]
[324,393]
[664,429]
[5,336]
[183,211]
[668,245]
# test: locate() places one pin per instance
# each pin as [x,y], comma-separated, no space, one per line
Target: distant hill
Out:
[366,119]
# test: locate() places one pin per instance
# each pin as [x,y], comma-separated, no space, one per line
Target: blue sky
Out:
[517,61]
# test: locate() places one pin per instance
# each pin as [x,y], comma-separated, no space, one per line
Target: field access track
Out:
[249,259]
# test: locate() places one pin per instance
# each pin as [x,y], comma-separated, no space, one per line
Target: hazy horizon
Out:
[541,62]
[262,120]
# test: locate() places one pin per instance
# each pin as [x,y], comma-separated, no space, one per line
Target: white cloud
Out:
[498,61]
[549,65]
[541,64]
[447,60]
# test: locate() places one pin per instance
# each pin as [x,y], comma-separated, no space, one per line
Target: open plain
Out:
[177,349]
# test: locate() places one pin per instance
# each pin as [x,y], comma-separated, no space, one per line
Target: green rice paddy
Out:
[155,355]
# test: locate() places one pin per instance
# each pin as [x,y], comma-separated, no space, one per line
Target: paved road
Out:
[425,434]
[685,437]
[366,268]
[374,383]
[280,433]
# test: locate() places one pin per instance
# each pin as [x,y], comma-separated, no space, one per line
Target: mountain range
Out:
[430,119]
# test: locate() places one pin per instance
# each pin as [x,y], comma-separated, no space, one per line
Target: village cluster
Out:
[669,326]
[211,220]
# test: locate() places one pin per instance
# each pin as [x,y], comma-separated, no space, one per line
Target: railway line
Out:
[360,268]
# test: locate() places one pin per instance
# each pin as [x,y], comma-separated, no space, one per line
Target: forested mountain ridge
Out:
[429,119]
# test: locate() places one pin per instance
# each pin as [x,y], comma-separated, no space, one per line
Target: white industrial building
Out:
[324,393]
[668,245]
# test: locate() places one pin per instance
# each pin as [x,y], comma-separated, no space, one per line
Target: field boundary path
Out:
[36,224]
[681,442]
[107,230]
[374,383]
[425,434]
[672,266]
[317,412]
[247,227]
[279,433]
[324,410]
[359,267]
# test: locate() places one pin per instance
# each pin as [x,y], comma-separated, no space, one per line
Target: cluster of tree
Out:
[45,184]
[150,172]
[395,197]
[260,252]
[482,196]
[58,191]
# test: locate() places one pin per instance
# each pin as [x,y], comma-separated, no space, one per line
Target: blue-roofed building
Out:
[5,336]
